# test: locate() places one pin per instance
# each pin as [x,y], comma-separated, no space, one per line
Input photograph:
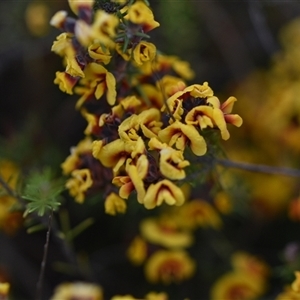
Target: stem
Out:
[259,168]
[39,286]
[9,190]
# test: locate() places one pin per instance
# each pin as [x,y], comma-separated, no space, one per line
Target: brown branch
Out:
[259,168]
[39,286]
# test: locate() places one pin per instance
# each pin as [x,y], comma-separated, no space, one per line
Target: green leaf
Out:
[42,192]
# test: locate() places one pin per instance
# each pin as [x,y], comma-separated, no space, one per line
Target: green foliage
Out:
[42,192]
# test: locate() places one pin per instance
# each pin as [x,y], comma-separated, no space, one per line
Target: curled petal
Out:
[104,28]
[137,181]
[163,191]
[63,41]
[59,19]
[128,128]
[113,154]
[111,88]
[99,54]
[227,106]
[149,121]
[76,5]
[96,148]
[82,32]
[144,52]
[171,164]
[219,120]
[235,120]
[182,134]
[125,184]
[213,101]
[114,204]
[200,90]
[80,182]
[65,81]
[140,13]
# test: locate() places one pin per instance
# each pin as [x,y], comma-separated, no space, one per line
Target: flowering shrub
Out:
[145,205]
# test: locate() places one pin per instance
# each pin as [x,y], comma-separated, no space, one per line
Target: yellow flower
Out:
[198,213]
[246,263]
[114,204]
[104,28]
[195,90]
[169,266]
[65,81]
[288,294]
[63,41]
[99,53]
[175,107]
[125,297]
[149,121]
[143,52]
[156,296]
[226,108]
[171,85]
[137,172]
[130,103]
[163,191]
[164,63]
[112,155]
[80,290]
[223,203]
[126,185]
[73,160]
[296,283]
[80,182]
[9,172]
[207,116]
[237,286]
[73,67]
[137,251]
[125,55]
[76,5]
[181,135]
[171,164]
[183,69]
[59,19]
[4,290]
[171,161]
[97,81]
[128,129]
[102,31]
[91,119]
[151,96]
[291,292]
[37,18]
[140,13]
[165,233]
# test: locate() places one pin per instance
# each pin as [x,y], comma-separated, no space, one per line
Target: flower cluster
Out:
[161,246]
[145,124]
[247,280]
[83,290]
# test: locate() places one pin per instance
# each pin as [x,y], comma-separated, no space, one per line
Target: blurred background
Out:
[241,48]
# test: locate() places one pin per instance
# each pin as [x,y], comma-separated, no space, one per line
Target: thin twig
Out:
[261,28]
[259,168]
[39,286]
[9,190]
